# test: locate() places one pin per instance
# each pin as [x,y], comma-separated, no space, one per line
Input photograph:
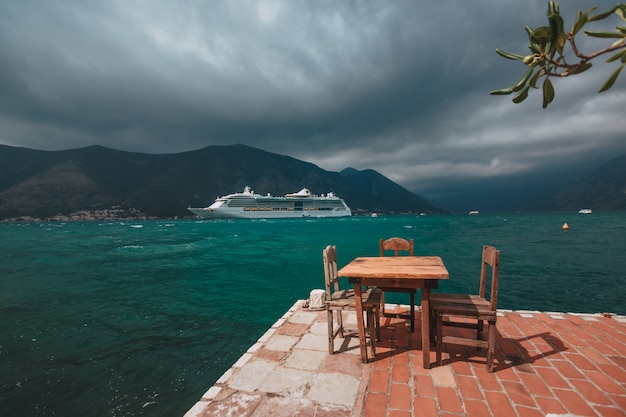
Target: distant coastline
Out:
[89,215]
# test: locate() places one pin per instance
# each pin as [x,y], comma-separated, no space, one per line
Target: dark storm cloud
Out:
[397,86]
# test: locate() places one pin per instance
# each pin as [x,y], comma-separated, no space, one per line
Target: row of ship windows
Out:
[286,209]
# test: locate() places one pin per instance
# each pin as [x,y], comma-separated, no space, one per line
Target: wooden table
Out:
[418,272]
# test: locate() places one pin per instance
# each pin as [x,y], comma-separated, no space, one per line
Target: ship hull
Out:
[207,213]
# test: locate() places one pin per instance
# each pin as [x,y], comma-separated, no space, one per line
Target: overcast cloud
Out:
[401,87]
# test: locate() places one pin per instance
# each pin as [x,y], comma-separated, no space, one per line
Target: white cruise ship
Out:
[248,205]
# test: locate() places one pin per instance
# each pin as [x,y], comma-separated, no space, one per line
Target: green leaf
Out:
[529,31]
[558,37]
[501,92]
[597,34]
[534,48]
[521,96]
[582,68]
[602,15]
[621,29]
[533,81]
[620,54]
[522,81]
[548,92]
[542,34]
[609,83]
[620,43]
[581,20]
[509,55]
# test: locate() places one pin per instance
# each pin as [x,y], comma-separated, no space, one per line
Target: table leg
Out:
[425,327]
[359,321]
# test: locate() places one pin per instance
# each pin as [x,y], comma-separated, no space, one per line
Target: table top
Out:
[410,267]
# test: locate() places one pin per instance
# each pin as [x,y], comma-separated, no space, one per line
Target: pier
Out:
[546,364]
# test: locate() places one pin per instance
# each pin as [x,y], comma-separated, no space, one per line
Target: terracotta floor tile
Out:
[606,383]
[487,381]
[425,407]
[518,393]
[603,348]
[400,373]
[535,385]
[618,360]
[293,329]
[474,408]
[620,400]
[528,412]
[574,403]
[399,413]
[461,368]
[590,392]
[379,381]
[375,405]
[343,364]
[566,369]
[616,372]
[423,386]
[610,411]
[550,405]
[499,401]
[448,400]
[551,378]
[469,388]
[400,396]
[270,355]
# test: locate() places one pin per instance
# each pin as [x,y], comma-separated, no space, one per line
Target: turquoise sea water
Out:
[137,318]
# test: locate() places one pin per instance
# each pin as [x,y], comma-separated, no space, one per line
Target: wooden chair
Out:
[476,307]
[338,300]
[397,245]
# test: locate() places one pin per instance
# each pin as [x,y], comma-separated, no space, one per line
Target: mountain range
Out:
[95,179]
[44,184]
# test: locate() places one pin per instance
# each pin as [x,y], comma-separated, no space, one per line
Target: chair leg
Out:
[382,301]
[331,332]
[432,321]
[340,322]
[491,345]
[479,331]
[412,311]
[371,325]
[377,318]
[439,345]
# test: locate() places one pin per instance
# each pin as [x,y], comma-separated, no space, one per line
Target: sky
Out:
[398,86]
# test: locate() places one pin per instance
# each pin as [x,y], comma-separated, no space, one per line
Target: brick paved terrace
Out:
[546,364]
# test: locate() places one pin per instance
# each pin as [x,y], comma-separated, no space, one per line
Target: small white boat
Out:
[473,212]
[584,211]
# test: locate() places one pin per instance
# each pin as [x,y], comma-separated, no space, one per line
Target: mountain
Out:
[48,183]
[601,189]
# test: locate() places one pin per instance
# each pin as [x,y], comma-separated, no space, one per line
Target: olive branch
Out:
[547,44]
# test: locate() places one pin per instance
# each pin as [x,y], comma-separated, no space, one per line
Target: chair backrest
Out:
[330,270]
[396,244]
[491,260]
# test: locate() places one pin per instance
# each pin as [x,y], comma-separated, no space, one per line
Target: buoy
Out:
[565,226]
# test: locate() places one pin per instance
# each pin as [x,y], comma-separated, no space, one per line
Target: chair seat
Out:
[346,299]
[462,305]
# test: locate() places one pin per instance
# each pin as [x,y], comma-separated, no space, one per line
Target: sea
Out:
[140,318]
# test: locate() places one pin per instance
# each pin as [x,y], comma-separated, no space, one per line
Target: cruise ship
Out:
[248,205]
